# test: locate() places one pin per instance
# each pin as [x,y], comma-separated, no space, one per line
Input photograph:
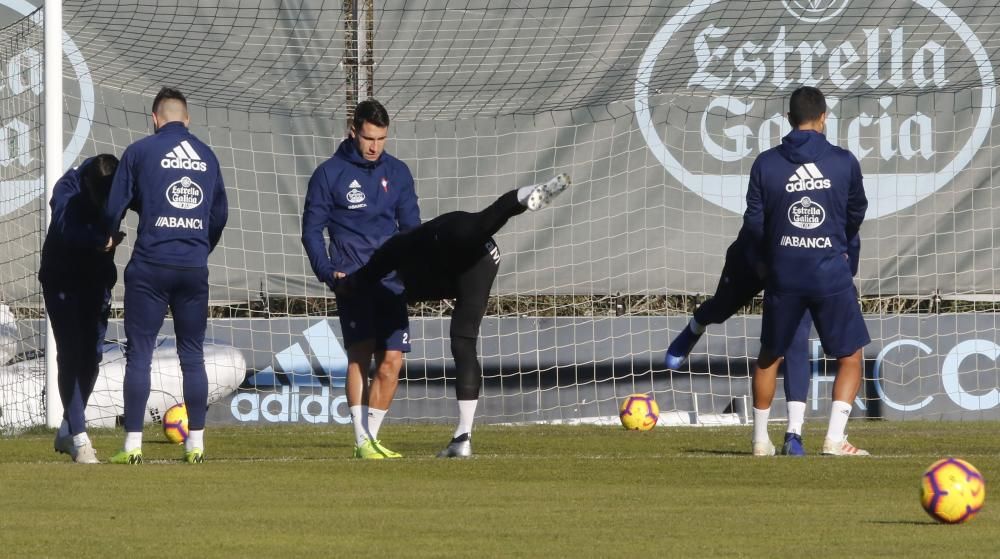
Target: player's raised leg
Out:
[738,284]
[459,231]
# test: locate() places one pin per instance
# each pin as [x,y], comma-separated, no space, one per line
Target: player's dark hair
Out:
[168,93]
[96,177]
[370,111]
[805,105]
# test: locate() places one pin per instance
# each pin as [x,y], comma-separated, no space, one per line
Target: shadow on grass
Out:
[717,452]
[904,522]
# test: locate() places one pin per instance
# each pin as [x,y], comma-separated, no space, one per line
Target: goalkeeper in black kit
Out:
[454,256]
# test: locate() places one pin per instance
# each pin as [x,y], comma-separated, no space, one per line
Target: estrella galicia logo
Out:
[23,81]
[184,194]
[735,90]
[806,214]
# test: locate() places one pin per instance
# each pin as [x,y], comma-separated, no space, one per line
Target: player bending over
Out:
[454,256]
[806,198]
[77,275]
[742,279]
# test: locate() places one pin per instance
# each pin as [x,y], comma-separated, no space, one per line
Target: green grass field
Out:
[553,491]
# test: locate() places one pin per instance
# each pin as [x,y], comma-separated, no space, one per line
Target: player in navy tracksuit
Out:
[454,256]
[77,275]
[174,182]
[805,200]
[741,280]
[360,197]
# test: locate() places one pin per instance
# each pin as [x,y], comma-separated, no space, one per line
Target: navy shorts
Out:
[375,314]
[838,321]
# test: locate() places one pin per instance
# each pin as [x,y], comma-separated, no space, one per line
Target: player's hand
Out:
[338,283]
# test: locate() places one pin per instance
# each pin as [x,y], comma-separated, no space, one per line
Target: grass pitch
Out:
[553,491]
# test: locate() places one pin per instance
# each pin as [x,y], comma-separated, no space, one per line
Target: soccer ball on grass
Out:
[175,423]
[639,412]
[952,491]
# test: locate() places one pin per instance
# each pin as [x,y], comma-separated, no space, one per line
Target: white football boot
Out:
[765,448]
[80,454]
[459,447]
[543,194]
[842,448]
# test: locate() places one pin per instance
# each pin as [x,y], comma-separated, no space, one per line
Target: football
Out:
[639,412]
[952,491]
[175,423]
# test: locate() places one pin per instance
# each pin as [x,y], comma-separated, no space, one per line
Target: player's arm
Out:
[854,253]
[407,210]
[219,214]
[121,195]
[66,187]
[753,217]
[315,214]
[857,202]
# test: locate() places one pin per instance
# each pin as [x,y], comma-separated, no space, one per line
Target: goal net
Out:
[656,110]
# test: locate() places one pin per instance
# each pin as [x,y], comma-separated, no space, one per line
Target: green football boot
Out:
[368,451]
[385,451]
[127,457]
[196,456]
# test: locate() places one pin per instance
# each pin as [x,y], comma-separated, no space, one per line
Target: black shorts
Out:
[467,278]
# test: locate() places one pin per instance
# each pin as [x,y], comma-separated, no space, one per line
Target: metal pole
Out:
[369,59]
[351,57]
[53,170]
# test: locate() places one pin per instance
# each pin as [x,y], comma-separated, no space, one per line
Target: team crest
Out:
[385,184]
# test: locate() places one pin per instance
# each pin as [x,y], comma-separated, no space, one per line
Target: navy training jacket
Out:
[359,204]
[743,253]
[174,182]
[73,252]
[805,200]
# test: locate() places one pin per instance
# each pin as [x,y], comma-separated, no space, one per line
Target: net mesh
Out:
[655,109]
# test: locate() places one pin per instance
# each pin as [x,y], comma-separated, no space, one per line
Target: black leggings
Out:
[452,256]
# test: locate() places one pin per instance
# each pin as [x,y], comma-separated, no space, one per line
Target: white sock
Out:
[796,417]
[466,413]
[839,413]
[375,417]
[64,429]
[359,418]
[196,439]
[81,440]
[133,440]
[524,193]
[760,418]
[695,327]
